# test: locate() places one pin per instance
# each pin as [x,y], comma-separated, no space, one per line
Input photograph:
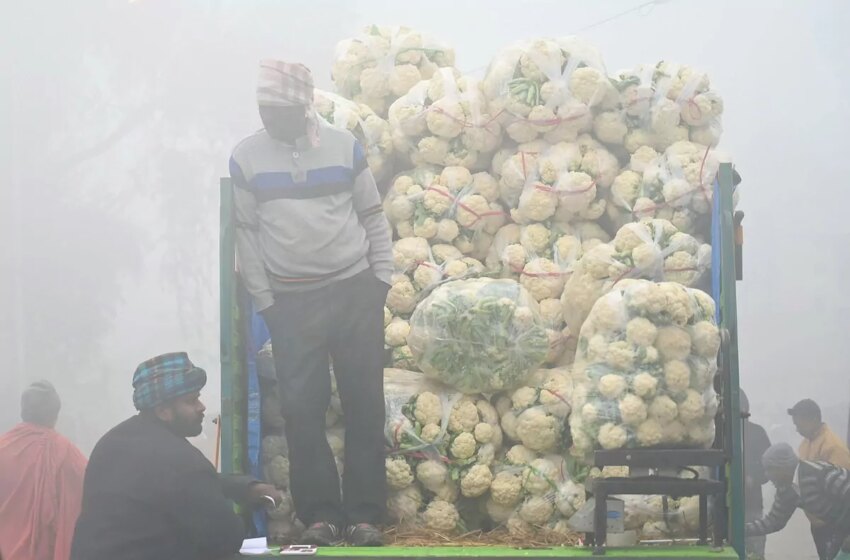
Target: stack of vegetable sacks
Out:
[545,214]
[644,373]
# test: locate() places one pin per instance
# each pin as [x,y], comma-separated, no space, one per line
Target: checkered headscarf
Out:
[284,84]
[165,377]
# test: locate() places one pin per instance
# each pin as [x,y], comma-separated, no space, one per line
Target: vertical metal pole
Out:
[729,323]
[227,291]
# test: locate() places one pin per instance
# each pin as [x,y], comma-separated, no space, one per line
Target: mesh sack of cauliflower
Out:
[548,88]
[675,186]
[444,121]
[662,517]
[441,442]
[383,63]
[535,415]
[644,372]
[479,335]
[649,249]
[661,104]
[452,206]
[533,494]
[565,182]
[372,131]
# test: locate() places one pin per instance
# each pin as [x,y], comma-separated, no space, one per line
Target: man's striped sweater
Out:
[823,491]
[306,217]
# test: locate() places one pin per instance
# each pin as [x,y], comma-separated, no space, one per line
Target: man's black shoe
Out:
[321,534]
[364,534]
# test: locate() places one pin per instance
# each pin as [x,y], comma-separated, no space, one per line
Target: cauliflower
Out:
[273,446]
[632,410]
[612,436]
[537,203]
[441,516]
[471,210]
[464,416]
[692,408]
[388,316]
[539,477]
[543,279]
[445,118]
[499,513]
[570,498]
[476,482]
[431,149]
[641,158]
[537,510]
[437,200]
[612,386]
[399,474]
[431,433]
[650,433]
[677,377]
[428,408]
[520,455]
[508,423]
[484,432]
[576,191]
[409,252]
[402,357]
[401,297]
[610,127]
[403,506]
[455,269]
[402,78]
[426,228]
[374,83]
[706,339]
[641,332]
[620,355]
[396,332]
[537,430]
[663,409]
[644,385]
[447,230]
[426,275]
[589,85]
[673,343]
[432,474]
[506,488]
[674,432]
[702,434]
[464,446]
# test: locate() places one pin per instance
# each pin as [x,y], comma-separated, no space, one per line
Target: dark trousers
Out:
[344,321]
[828,541]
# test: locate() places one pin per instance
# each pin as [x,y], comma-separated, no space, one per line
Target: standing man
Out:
[820,443]
[756,443]
[150,494]
[315,251]
[41,482]
[822,491]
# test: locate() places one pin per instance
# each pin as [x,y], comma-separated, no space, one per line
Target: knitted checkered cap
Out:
[284,84]
[165,377]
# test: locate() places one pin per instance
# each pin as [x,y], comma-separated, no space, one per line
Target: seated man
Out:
[41,481]
[822,491]
[149,494]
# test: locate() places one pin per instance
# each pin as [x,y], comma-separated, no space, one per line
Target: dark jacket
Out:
[151,495]
[756,442]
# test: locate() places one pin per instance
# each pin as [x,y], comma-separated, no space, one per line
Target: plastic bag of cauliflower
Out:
[661,104]
[649,249]
[441,442]
[662,517]
[533,494]
[535,415]
[676,186]
[452,206]
[372,131]
[479,335]
[383,63]
[548,88]
[444,121]
[644,372]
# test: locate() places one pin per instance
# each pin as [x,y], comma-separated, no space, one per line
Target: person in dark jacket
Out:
[756,443]
[148,493]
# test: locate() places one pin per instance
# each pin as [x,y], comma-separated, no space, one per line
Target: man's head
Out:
[40,404]
[285,99]
[807,418]
[169,387]
[780,463]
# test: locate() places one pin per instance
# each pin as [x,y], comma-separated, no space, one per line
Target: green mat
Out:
[642,553]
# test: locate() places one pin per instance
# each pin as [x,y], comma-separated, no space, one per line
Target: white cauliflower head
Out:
[399,473]
[441,516]
[476,481]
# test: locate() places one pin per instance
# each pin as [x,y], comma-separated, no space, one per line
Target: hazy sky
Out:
[783,70]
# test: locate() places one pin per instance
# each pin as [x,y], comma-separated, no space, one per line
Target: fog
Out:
[118,118]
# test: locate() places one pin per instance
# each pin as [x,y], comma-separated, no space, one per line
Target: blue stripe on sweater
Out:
[275,180]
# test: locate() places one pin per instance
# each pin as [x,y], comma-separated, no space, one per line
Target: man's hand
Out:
[257,495]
